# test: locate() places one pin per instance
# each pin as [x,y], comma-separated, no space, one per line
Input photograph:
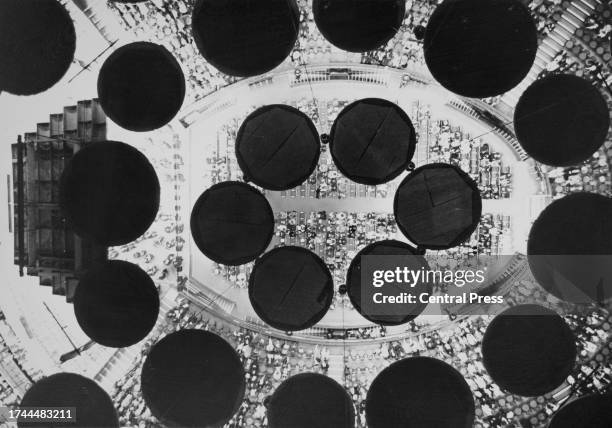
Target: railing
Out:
[504,282]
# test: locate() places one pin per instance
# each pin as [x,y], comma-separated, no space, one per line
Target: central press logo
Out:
[393,285]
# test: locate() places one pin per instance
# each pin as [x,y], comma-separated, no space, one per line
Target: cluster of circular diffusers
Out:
[109,195]
[372,141]
[474,48]
[196,378]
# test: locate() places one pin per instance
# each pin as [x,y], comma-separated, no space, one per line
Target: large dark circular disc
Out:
[437,206]
[245,38]
[569,248]
[232,223]
[37,44]
[358,25]
[277,147]
[141,86]
[116,304]
[405,312]
[480,48]
[290,288]
[193,378]
[310,400]
[589,411]
[419,392]
[372,141]
[561,120]
[528,350]
[92,405]
[109,192]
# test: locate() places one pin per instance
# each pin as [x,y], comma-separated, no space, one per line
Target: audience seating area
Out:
[169,22]
[451,145]
[267,362]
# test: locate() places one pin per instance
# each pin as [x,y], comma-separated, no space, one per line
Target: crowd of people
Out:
[545,14]
[492,237]
[268,361]
[459,346]
[16,364]
[591,176]
[335,236]
[451,145]
[327,182]
[405,48]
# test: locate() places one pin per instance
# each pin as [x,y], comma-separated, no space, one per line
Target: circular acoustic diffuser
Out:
[561,120]
[141,86]
[116,304]
[589,411]
[232,223]
[528,350]
[277,147]
[37,44]
[310,400]
[358,25]
[290,288]
[109,193]
[92,405]
[372,141]
[437,206]
[569,248]
[193,378]
[245,38]
[480,48]
[419,392]
[405,312]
